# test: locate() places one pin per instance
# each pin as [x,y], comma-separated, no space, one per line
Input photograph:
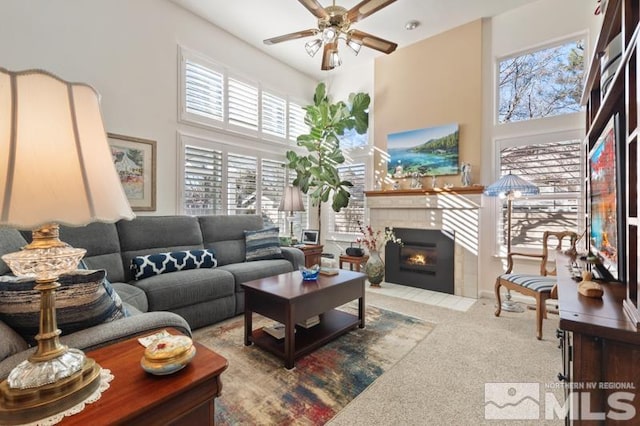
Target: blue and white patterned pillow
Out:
[262,244]
[82,301]
[162,263]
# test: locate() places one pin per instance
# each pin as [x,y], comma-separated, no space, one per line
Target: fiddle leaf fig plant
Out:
[316,172]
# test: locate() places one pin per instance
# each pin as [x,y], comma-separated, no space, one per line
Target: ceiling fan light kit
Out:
[334,23]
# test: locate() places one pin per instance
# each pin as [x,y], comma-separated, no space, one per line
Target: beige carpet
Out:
[442,380]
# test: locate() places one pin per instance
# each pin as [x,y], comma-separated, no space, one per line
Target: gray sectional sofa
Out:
[185,299]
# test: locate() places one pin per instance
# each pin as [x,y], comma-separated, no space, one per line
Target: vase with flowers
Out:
[374,241]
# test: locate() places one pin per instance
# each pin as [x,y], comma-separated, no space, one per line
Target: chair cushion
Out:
[82,301]
[263,244]
[162,263]
[533,282]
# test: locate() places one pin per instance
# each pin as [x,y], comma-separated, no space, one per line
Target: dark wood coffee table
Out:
[288,299]
[136,397]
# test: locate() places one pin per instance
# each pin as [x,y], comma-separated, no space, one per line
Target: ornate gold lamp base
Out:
[54,378]
[27,405]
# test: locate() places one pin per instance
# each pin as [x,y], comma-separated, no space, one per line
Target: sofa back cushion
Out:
[11,240]
[225,235]
[146,235]
[102,244]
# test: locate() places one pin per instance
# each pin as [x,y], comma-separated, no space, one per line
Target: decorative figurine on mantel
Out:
[415,181]
[466,174]
[399,171]
[434,181]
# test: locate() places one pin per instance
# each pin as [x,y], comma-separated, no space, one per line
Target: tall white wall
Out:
[527,27]
[128,50]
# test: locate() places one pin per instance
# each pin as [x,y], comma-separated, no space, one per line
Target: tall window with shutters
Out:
[346,221]
[555,168]
[242,196]
[242,103]
[212,96]
[202,181]
[218,181]
[296,122]
[204,92]
[274,115]
[272,183]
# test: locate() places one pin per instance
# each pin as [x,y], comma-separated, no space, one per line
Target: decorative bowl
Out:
[168,355]
[310,274]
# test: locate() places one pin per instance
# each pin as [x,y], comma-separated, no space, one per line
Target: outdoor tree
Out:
[542,83]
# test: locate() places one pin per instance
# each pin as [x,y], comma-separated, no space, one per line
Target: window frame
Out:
[535,139]
[225,126]
[233,146]
[539,47]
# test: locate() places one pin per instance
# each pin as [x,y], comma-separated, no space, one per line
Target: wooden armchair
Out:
[542,286]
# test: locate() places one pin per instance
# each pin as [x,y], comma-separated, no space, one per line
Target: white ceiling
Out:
[255,20]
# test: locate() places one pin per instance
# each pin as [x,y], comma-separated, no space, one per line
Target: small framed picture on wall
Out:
[135,161]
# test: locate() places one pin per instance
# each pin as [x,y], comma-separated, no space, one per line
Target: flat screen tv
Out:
[605,229]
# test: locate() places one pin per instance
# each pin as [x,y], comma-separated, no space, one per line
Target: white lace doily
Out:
[105,378]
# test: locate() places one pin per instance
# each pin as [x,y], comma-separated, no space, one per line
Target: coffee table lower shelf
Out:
[332,324]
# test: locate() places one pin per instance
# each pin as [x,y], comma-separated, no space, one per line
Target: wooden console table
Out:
[600,346]
[138,398]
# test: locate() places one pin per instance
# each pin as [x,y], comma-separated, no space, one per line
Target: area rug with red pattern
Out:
[257,389]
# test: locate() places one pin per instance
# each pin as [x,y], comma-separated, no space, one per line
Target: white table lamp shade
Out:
[55,162]
[292,200]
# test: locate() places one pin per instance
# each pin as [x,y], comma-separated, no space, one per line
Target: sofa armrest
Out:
[293,255]
[106,334]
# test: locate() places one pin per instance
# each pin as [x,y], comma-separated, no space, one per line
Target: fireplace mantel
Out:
[462,190]
[453,209]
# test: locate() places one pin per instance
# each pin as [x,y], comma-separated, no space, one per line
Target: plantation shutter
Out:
[274,115]
[243,104]
[555,169]
[204,91]
[241,184]
[202,181]
[273,181]
[346,221]
[297,125]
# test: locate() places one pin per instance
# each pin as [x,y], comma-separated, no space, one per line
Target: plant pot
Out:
[374,268]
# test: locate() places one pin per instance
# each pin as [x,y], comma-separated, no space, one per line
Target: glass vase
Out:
[374,268]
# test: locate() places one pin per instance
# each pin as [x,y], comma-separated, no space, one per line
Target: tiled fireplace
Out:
[424,260]
[455,212]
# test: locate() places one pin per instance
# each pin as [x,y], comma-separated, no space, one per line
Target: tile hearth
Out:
[428,297]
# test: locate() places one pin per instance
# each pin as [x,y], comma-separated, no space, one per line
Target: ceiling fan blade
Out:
[373,42]
[366,8]
[329,48]
[316,8]
[291,36]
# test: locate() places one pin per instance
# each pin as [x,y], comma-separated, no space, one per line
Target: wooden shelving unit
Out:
[600,340]
[621,99]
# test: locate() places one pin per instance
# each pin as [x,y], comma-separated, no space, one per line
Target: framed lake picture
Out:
[429,152]
[135,161]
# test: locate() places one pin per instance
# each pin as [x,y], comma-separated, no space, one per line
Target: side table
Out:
[353,261]
[312,254]
[136,397]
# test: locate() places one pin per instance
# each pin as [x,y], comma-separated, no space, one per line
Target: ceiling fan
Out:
[334,23]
